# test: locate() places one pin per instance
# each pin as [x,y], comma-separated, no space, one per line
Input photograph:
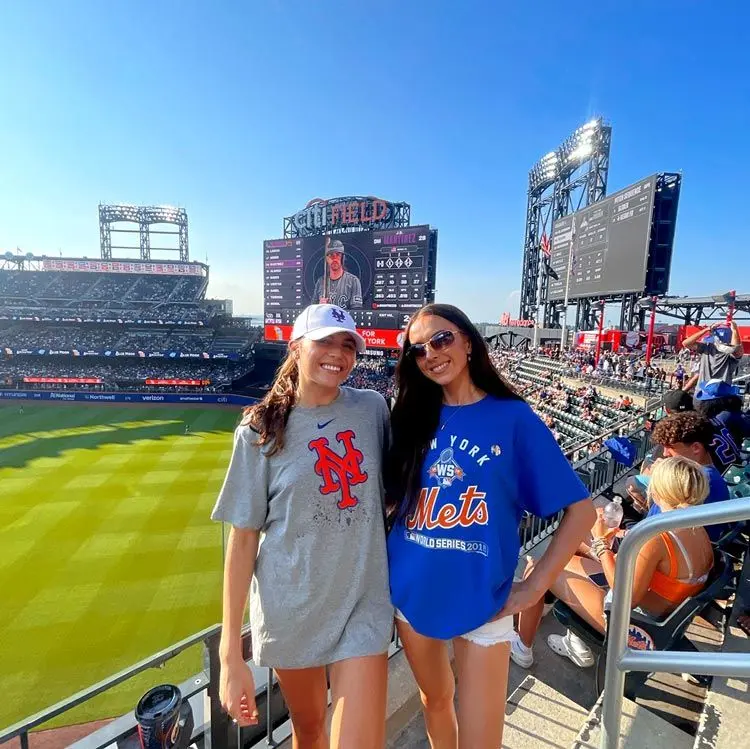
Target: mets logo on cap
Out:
[338,314]
[445,470]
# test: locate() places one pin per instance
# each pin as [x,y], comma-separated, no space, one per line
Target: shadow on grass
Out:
[18,456]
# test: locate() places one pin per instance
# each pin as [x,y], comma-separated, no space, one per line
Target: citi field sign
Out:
[321,216]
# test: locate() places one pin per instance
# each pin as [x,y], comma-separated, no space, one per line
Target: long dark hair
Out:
[416,413]
[269,417]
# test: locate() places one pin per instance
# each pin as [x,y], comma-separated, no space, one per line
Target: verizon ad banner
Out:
[375,338]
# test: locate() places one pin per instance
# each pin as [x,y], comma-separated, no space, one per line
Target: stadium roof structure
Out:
[693,310]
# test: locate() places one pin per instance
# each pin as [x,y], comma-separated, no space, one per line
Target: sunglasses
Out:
[439,342]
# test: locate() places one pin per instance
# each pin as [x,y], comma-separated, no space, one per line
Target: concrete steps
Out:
[724,722]
[639,729]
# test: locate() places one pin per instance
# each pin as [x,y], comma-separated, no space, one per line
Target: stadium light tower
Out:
[111,216]
[563,181]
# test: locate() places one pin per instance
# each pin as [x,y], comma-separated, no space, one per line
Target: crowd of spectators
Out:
[374,375]
[120,374]
[103,295]
[54,286]
[81,338]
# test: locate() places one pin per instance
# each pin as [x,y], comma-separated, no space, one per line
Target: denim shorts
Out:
[491,633]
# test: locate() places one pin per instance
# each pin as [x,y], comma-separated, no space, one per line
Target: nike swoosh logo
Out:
[324,424]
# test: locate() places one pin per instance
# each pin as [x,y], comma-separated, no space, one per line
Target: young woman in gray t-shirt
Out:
[304,496]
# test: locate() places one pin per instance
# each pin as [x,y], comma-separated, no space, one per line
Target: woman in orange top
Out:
[670,568]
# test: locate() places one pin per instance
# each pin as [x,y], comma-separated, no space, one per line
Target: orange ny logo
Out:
[339,473]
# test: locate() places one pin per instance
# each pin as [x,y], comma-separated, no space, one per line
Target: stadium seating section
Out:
[118,328]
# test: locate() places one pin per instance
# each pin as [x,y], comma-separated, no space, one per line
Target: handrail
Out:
[620,658]
[153,661]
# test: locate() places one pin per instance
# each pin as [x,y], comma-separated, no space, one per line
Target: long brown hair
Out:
[416,413]
[269,417]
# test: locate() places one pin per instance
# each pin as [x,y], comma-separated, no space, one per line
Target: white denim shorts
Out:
[491,633]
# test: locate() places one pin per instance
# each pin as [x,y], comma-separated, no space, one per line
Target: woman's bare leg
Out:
[574,588]
[431,667]
[358,696]
[482,692]
[305,691]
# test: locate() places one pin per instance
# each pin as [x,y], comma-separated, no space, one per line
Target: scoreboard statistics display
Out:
[608,243]
[380,276]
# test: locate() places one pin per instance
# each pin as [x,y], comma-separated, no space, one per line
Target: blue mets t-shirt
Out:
[452,562]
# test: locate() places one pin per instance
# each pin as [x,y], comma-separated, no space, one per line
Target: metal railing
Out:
[644,386]
[22,729]
[621,658]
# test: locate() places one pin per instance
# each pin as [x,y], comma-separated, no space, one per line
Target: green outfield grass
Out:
[107,553]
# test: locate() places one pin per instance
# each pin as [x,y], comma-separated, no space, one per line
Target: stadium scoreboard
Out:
[380,276]
[608,244]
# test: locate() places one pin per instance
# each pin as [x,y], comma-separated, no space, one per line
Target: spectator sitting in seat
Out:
[689,435]
[671,568]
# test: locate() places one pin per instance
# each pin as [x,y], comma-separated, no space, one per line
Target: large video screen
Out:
[608,243]
[381,277]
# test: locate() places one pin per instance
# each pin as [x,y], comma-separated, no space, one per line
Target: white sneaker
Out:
[573,647]
[520,654]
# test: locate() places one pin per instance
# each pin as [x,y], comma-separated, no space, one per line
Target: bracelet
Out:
[599,546]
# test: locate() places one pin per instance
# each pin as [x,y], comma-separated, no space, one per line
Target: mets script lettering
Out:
[339,473]
[473,511]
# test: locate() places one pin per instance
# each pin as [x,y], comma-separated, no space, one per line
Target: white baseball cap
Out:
[318,321]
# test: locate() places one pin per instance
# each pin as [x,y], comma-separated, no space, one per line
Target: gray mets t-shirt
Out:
[346,292]
[320,589]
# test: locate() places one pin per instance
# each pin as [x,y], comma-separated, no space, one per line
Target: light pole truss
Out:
[145,217]
[565,180]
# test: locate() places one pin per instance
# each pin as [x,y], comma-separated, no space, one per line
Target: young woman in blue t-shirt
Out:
[469,457]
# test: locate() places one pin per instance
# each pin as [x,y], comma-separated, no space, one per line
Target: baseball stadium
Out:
[121,383]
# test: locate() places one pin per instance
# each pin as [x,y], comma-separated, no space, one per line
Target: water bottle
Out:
[612,514]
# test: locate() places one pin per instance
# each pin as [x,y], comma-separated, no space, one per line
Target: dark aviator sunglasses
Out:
[440,341]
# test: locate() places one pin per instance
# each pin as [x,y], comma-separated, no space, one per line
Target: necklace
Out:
[458,407]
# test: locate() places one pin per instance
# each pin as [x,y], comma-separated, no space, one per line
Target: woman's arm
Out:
[236,683]
[645,566]
[576,522]
[242,548]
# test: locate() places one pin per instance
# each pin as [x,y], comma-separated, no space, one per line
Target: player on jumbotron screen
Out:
[336,285]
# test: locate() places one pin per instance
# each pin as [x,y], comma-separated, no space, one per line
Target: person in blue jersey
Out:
[690,435]
[468,458]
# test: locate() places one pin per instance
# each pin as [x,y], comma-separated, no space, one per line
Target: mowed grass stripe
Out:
[110,553]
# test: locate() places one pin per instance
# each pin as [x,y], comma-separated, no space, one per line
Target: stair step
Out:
[539,716]
[639,729]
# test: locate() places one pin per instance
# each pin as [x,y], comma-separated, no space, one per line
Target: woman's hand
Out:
[237,691]
[600,529]
[521,597]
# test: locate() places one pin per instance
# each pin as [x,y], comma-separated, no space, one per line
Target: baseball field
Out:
[107,552]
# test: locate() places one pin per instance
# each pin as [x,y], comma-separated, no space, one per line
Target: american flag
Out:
[545,245]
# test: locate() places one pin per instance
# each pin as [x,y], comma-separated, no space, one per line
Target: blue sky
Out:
[242,112]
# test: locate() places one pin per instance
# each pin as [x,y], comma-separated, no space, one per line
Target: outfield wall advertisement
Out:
[210,399]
